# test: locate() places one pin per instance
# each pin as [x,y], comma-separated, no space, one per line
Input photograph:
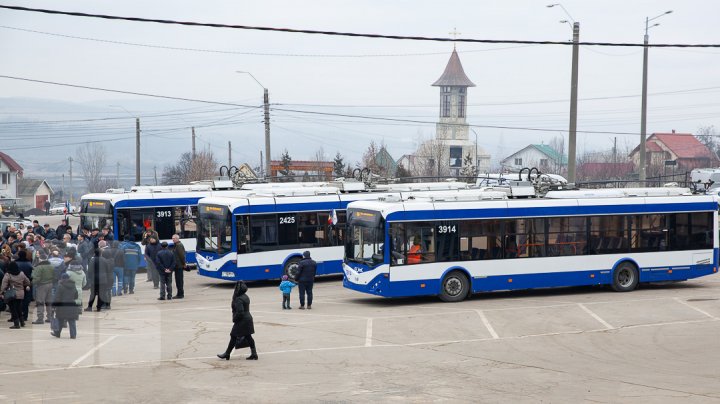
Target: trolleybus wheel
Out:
[455,287]
[625,277]
[291,268]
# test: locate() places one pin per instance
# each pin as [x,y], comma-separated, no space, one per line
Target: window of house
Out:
[518,161]
[543,162]
[4,178]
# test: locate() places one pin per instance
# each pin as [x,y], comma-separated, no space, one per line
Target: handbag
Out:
[9,294]
[55,324]
[241,342]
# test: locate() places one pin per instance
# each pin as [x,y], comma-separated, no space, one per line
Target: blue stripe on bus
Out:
[263,272]
[530,212]
[290,207]
[153,203]
[381,286]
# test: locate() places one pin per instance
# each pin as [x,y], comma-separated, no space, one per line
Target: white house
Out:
[10,170]
[540,156]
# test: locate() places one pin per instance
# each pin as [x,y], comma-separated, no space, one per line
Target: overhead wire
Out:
[348,34]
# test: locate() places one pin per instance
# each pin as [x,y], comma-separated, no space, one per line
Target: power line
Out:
[226,52]
[351,34]
[127,92]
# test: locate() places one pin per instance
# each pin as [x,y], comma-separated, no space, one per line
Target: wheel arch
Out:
[460,269]
[291,256]
[628,260]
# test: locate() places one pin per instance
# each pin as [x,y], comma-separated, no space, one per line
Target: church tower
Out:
[452,129]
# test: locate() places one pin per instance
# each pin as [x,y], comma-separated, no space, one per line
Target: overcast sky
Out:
[517,85]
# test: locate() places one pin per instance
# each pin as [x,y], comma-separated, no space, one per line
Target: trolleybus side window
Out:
[185,221]
[649,233]
[243,238]
[263,232]
[480,239]
[701,230]
[307,229]
[287,228]
[447,240]
[608,234]
[567,236]
[418,242]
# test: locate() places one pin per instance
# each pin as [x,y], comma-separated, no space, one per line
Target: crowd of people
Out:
[52,267]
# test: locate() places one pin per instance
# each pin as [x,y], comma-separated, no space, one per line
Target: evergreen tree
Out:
[286,161]
[338,166]
[468,171]
[402,172]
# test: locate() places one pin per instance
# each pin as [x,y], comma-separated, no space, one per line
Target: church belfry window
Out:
[461,106]
[445,106]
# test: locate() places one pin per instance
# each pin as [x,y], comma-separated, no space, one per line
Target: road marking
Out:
[368,332]
[596,317]
[485,321]
[92,351]
[677,299]
[134,363]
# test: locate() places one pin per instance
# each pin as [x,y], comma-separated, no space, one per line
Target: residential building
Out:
[540,156]
[10,171]
[319,170]
[33,193]
[682,151]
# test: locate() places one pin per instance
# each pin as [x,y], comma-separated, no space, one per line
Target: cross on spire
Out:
[454,33]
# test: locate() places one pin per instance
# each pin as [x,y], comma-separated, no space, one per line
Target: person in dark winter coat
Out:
[165,264]
[180,266]
[306,278]
[43,284]
[99,275]
[16,279]
[243,327]
[23,262]
[65,304]
[131,262]
[151,249]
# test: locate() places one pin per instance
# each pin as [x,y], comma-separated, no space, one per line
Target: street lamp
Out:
[137,143]
[266,103]
[643,113]
[572,131]
[477,164]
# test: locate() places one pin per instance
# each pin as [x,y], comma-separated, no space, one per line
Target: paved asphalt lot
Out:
[657,344]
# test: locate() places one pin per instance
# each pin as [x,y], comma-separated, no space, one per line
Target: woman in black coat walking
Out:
[66,308]
[243,327]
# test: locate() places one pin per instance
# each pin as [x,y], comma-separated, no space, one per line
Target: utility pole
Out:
[615,151]
[262,166]
[193,142]
[155,168]
[117,173]
[643,115]
[70,159]
[266,101]
[63,186]
[573,104]
[229,154]
[137,151]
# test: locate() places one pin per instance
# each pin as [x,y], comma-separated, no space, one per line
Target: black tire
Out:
[625,277]
[455,287]
[291,267]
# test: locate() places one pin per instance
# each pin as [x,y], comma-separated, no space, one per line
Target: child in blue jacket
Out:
[286,287]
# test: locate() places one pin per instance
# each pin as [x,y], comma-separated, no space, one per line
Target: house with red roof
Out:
[684,149]
[10,170]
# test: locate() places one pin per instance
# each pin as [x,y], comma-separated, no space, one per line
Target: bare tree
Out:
[318,160]
[188,169]
[707,135]
[432,158]
[558,144]
[368,159]
[91,157]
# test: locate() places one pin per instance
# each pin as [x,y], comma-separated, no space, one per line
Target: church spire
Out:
[454,75]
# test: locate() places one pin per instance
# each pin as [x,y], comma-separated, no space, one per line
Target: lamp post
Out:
[266,103]
[477,164]
[572,130]
[643,113]
[137,143]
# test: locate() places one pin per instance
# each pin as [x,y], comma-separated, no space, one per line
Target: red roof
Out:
[454,75]
[11,163]
[653,147]
[684,145]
